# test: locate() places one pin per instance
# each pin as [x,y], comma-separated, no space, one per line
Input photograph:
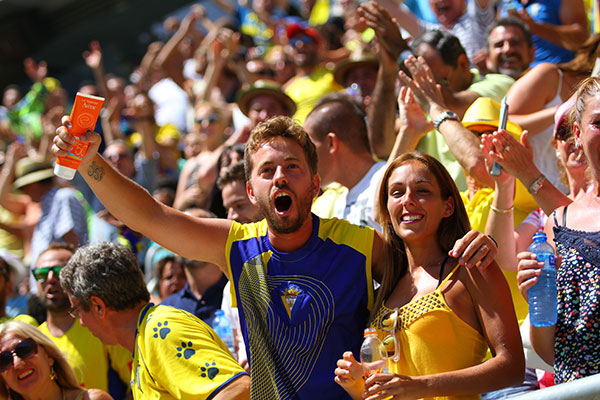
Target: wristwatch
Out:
[537,184]
[443,117]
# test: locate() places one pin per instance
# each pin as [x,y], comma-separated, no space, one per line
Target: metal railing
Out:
[587,388]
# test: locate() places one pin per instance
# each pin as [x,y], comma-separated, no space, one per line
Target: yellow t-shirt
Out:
[323,206]
[177,356]
[478,209]
[85,354]
[307,90]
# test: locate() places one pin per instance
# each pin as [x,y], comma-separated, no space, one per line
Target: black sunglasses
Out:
[41,274]
[563,132]
[24,349]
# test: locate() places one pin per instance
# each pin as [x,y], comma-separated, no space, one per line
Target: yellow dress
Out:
[433,339]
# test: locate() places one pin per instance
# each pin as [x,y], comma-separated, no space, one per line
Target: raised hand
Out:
[426,90]
[516,158]
[37,72]
[488,149]
[412,119]
[388,34]
[63,141]
[93,56]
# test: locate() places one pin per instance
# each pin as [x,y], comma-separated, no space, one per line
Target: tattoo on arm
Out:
[95,171]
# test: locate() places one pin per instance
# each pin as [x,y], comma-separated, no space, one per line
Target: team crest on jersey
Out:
[290,294]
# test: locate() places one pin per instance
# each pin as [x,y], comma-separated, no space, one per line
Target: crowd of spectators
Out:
[367,83]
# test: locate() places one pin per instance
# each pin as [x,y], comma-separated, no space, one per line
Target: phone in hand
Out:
[496,168]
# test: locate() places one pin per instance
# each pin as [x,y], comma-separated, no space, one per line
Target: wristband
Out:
[537,184]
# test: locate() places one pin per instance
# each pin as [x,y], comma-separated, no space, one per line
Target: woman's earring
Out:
[558,154]
[580,149]
[53,375]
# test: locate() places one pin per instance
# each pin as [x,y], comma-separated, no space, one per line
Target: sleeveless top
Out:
[544,154]
[577,340]
[432,338]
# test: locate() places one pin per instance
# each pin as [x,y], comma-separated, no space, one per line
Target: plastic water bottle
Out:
[372,353]
[542,295]
[222,327]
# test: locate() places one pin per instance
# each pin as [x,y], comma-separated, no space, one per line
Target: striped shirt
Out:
[470,28]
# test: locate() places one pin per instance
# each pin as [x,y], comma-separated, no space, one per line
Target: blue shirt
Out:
[203,308]
[544,12]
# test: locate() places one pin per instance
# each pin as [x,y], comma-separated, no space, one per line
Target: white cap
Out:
[64,172]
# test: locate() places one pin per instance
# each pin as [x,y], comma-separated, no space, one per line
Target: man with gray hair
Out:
[173,351]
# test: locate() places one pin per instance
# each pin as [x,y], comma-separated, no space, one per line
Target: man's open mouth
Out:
[283,202]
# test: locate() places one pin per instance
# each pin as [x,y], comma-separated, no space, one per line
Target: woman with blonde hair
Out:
[32,367]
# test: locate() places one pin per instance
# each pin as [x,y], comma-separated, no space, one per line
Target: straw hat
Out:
[264,87]
[29,170]
[357,59]
[485,111]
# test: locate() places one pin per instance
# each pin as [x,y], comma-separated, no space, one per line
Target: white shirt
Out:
[357,204]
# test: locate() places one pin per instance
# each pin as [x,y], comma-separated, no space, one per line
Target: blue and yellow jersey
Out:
[177,356]
[300,311]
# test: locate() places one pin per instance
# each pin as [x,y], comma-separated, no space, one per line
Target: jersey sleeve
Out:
[188,361]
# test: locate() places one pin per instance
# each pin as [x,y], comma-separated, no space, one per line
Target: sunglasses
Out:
[563,133]
[305,39]
[26,348]
[211,118]
[389,323]
[41,274]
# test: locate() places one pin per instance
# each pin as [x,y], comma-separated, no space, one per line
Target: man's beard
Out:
[56,305]
[284,225]
[512,72]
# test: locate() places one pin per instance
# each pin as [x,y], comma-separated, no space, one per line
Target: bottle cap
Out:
[539,237]
[370,331]
[64,172]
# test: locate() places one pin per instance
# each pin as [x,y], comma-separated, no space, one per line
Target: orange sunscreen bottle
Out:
[83,118]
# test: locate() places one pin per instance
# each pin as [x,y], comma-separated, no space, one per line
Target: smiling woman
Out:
[31,366]
[437,312]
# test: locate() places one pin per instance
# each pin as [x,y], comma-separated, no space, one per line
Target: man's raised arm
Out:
[197,238]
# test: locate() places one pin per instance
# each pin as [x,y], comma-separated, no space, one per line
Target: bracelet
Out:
[501,210]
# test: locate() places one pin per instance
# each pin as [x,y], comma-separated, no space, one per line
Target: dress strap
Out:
[448,277]
[560,78]
[564,217]
[442,271]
